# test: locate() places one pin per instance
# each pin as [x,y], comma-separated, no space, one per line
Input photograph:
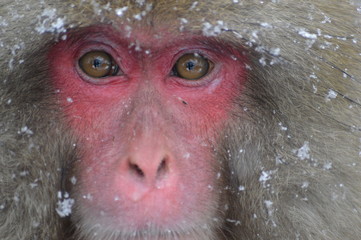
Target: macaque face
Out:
[147,108]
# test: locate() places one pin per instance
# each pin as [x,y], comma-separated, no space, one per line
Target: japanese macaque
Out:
[189,120]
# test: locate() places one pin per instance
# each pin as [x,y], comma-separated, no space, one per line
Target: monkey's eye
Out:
[98,64]
[192,66]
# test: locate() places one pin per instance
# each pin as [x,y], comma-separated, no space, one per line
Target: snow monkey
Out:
[180,120]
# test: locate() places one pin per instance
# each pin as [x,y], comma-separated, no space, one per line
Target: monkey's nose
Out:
[151,171]
[144,174]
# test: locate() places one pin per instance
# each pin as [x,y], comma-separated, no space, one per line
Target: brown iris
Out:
[192,66]
[98,64]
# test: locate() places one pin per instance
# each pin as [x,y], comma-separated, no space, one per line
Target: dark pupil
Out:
[190,65]
[97,62]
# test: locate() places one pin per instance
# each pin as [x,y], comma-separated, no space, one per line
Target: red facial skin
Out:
[145,118]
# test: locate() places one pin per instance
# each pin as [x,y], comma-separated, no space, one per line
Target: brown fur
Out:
[284,107]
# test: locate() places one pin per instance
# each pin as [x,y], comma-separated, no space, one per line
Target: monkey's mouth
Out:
[184,230]
[160,234]
[160,214]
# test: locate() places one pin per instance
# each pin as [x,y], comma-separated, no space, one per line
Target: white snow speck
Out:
[138,16]
[213,30]
[16,198]
[331,95]
[35,224]
[235,222]
[186,155]
[262,61]
[183,20]
[275,51]
[306,34]
[279,160]
[49,22]
[283,128]
[268,203]
[24,173]
[64,204]
[26,130]
[304,152]
[266,25]
[194,4]
[270,210]
[88,196]
[140,2]
[314,88]
[313,76]
[265,176]
[305,185]
[327,166]
[241,188]
[73,180]
[121,11]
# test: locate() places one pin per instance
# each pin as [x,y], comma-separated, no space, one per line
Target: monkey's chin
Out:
[191,230]
[123,224]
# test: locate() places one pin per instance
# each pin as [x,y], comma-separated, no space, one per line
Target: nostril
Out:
[136,170]
[162,168]
[148,169]
[140,175]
